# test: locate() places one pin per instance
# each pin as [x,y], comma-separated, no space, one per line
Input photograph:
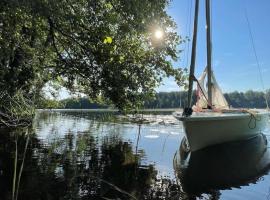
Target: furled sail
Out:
[218,100]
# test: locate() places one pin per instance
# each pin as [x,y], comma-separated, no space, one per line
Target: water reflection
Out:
[222,167]
[68,157]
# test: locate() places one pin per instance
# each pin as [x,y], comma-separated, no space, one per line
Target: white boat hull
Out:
[208,129]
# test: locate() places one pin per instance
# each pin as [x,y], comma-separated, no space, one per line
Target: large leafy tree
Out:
[103,48]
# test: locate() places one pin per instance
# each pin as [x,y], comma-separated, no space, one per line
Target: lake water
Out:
[99,155]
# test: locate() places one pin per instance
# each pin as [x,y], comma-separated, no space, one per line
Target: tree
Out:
[24,48]
[101,48]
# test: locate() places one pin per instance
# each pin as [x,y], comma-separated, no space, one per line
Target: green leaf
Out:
[108,40]
[121,59]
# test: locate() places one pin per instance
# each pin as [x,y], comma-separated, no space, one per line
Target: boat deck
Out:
[222,115]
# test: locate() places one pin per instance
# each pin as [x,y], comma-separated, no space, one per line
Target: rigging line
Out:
[189,38]
[211,20]
[189,33]
[186,29]
[187,43]
[255,53]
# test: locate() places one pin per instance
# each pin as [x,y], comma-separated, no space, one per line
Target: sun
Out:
[159,34]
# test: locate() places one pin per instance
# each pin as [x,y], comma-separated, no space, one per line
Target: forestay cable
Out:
[255,53]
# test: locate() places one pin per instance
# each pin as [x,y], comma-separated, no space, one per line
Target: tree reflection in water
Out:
[78,165]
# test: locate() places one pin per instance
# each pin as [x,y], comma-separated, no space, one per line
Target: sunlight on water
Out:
[151,136]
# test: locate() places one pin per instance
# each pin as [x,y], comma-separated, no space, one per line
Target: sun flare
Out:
[159,34]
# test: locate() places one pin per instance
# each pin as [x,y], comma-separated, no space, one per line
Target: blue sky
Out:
[234,62]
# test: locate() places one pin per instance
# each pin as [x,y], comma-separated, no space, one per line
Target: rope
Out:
[195,79]
[253,117]
[187,45]
[255,53]
[189,32]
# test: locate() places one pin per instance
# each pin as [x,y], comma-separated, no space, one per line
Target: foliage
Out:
[24,52]
[248,99]
[85,103]
[169,100]
[43,103]
[15,110]
[101,48]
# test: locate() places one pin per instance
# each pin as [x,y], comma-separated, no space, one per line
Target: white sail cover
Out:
[218,100]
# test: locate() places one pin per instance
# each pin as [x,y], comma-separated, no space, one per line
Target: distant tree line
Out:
[81,103]
[248,99]
[70,103]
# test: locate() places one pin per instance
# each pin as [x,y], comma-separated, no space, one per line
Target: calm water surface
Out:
[96,155]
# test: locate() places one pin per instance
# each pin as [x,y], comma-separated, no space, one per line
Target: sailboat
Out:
[211,121]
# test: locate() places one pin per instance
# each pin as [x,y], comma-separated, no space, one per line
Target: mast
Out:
[209,52]
[193,54]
